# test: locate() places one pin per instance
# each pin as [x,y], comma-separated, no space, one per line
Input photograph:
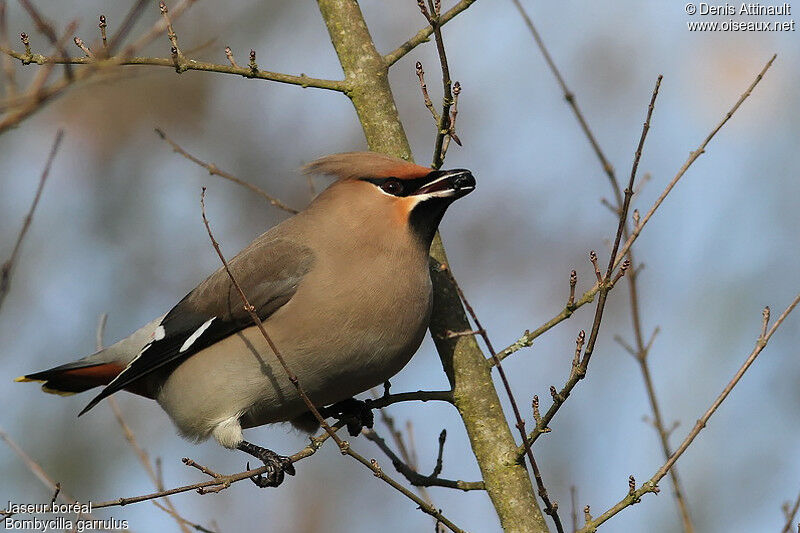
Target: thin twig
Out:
[215,171]
[426,98]
[787,528]
[144,458]
[190,64]
[8,65]
[222,480]
[434,18]
[414,477]
[7,269]
[551,508]
[407,454]
[528,337]
[39,94]
[136,11]
[46,29]
[578,372]
[37,470]
[651,485]
[569,96]
[422,35]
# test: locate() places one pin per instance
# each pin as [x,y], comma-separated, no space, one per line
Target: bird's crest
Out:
[356,165]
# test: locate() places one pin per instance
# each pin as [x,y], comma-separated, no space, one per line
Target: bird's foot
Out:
[356,414]
[278,465]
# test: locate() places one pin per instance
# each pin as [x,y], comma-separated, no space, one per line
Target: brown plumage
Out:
[356,165]
[342,287]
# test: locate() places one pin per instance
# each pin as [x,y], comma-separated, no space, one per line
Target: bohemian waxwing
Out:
[343,289]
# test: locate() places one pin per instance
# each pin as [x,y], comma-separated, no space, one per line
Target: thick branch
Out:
[506,480]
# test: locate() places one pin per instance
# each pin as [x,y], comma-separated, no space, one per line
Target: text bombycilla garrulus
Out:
[343,289]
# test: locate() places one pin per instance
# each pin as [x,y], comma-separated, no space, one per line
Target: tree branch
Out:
[528,337]
[476,399]
[8,267]
[188,64]
[550,508]
[578,372]
[422,35]
[414,477]
[791,513]
[215,171]
[651,485]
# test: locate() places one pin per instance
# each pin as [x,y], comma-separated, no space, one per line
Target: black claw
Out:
[356,414]
[277,465]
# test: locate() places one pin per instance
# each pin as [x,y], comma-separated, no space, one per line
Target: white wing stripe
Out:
[196,335]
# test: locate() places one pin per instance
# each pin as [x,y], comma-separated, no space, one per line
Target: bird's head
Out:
[402,193]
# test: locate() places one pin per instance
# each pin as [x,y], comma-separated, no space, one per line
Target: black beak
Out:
[448,184]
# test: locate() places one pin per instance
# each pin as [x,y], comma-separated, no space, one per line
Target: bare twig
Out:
[406,452]
[103,26]
[213,170]
[144,458]
[569,96]
[423,34]
[229,55]
[37,470]
[344,446]
[38,95]
[434,18]
[550,508]
[425,96]
[136,11]
[8,66]
[8,267]
[651,485]
[190,64]
[790,514]
[577,373]
[219,480]
[527,339]
[46,29]
[177,55]
[417,396]
[414,477]
[82,45]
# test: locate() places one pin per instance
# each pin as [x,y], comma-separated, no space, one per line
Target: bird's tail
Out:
[95,370]
[77,376]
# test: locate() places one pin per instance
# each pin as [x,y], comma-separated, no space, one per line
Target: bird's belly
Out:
[333,356]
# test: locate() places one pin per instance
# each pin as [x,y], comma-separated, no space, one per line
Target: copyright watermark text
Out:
[69,516]
[746,12]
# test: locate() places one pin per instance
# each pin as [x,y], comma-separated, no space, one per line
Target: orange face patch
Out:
[402,209]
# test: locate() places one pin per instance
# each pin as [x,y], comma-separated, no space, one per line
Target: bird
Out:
[343,289]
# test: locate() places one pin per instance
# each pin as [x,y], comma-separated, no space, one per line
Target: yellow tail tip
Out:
[25,379]
[48,390]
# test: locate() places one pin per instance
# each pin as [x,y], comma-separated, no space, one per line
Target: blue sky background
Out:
[119,231]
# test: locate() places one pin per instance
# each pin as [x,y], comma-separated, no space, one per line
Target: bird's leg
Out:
[278,464]
[356,413]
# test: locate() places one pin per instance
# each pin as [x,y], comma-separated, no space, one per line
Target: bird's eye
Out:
[392,186]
